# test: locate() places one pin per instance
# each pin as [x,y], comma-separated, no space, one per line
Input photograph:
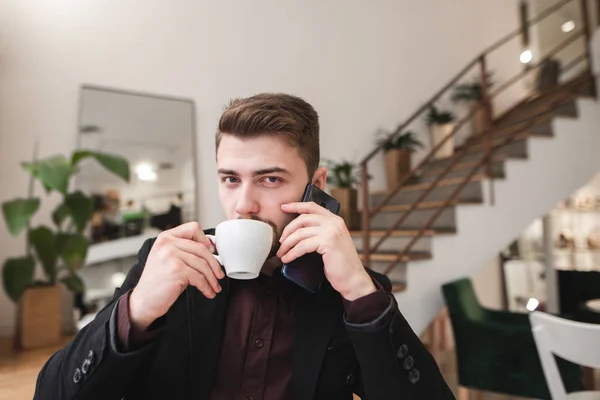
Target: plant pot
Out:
[348,206]
[478,120]
[39,314]
[397,166]
[438,134]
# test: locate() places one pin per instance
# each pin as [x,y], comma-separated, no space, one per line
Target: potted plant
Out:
[441,124]
[344,176]
[60,250]
[472,95]
[397,153]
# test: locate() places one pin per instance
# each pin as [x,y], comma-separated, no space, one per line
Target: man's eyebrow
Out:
[271,170]
[263,171]
[224,171]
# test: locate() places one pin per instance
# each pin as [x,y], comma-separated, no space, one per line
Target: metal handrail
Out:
[368,214]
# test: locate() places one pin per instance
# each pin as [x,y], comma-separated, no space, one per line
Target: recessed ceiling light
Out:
[145,172]
[567,26]
[526,57]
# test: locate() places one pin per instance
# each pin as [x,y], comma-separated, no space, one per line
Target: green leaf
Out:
[17,273]
[72,249]
[44,243]
[80,208]
[73,283]
[116,164]
[18,212]
[54,172]
[60,214]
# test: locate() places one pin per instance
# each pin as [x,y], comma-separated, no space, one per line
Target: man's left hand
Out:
[317,229]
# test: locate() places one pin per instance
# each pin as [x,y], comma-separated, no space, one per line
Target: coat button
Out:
[414,376]
[402,351]
[91,356]
[77,375]
[249,398]
[85,367]
[409,362]
[259,344]
[350,379]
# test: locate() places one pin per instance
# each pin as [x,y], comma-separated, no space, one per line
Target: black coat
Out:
[331,359]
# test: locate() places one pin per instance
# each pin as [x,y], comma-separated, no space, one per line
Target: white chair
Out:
[577,342]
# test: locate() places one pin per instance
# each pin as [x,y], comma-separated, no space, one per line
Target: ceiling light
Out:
[526,57]
[567,26]
[532,304]
[145,172]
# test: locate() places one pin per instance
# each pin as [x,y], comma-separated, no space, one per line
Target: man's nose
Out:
[247,204]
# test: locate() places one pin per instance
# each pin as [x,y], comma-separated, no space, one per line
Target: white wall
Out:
[488,284]
[364,65]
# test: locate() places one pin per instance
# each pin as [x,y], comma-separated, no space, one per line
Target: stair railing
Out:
[489,147]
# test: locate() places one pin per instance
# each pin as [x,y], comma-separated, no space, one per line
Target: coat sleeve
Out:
[394,363]
[91,366]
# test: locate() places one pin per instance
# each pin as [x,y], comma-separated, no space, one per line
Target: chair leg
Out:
[463,393]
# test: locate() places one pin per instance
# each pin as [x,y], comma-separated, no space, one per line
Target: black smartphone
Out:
[307,271]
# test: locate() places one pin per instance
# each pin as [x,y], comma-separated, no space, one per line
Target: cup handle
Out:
[214,240]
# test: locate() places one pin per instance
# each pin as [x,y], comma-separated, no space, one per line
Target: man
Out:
[179,329]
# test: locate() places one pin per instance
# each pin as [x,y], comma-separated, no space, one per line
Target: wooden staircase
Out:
[398,226]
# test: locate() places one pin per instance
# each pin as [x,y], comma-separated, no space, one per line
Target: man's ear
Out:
[320,178]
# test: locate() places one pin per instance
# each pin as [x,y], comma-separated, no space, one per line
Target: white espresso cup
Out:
[243,246]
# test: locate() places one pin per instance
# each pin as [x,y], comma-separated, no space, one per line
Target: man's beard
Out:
[276,234]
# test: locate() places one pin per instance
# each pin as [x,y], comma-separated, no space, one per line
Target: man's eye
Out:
[272,180]
[230,179]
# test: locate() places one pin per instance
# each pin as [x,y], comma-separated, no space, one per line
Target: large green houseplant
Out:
[60,250]
[397,155]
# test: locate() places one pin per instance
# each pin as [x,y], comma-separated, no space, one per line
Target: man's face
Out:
[257,176]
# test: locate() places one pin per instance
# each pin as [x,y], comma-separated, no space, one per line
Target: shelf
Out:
[118,248]
[580,210]
[561,250]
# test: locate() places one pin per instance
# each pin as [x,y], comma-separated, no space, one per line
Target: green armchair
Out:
[495,350]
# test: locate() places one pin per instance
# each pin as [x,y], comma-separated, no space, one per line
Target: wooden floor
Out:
[19,370]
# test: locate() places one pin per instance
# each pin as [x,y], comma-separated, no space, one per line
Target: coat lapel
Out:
[316,317]
[207,318]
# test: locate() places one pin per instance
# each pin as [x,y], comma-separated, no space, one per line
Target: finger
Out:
[198,280]
[202,266]
[305,246]
[302,221]
[309,207]
[294,238]
[191,231]
[199,250]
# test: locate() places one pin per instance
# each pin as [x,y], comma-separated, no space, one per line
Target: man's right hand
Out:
[179,257]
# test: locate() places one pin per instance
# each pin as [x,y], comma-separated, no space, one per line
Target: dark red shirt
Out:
[256,351]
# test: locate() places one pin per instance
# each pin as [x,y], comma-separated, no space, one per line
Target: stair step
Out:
[440,192]
[464,165]
[514,150]
[496,171]
[391,256]
[398,287]
[405,232]
[429,205]
[426,185]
